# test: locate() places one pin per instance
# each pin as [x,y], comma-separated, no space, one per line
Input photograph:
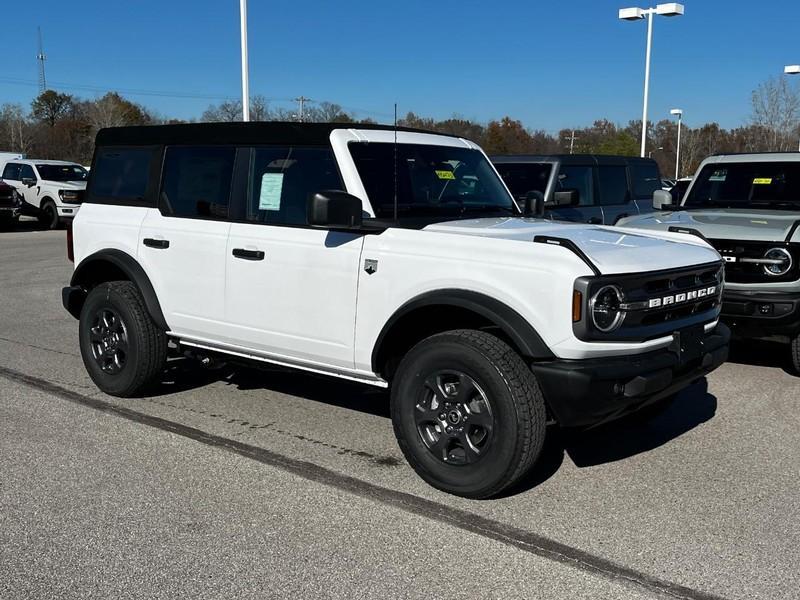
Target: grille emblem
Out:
[682,297]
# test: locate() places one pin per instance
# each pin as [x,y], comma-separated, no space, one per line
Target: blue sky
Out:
[551,64]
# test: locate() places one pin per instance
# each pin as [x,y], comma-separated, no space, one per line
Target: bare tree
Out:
[776,111]
[230,111]
[15,130]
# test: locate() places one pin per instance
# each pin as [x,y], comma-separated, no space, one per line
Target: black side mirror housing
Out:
[28,181]
[533,203]
[566,198]
[334,209]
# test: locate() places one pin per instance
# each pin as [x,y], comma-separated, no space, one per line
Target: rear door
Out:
[182,243]
[291,289]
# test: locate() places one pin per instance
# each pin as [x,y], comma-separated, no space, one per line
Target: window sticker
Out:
[445,174]
[271,189]
[762,181]
[719,175]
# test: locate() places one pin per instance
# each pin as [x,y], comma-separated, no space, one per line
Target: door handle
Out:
[594,221]
[151,243]
[248,254]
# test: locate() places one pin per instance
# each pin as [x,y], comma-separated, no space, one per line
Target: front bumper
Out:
[583,393]
[762,314]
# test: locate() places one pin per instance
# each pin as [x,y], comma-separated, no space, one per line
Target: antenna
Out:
[395,162]
[41,58]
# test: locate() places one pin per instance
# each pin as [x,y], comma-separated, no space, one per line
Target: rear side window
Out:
[11,172]
[197,181]
[646,180]
[613,185]
[26,172]
[282,179]
[120,175]
[524,178]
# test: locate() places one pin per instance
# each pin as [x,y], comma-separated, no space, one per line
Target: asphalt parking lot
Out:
[250,483]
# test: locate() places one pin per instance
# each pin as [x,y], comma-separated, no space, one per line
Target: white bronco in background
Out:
[390,257]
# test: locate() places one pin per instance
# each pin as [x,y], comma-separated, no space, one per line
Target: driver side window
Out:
[580,178]
[26,172]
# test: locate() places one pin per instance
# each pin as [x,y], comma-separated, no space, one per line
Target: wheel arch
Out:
[113,265]
[441,310]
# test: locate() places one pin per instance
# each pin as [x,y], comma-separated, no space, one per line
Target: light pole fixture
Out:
[245,70]
[679,113]
[669,9]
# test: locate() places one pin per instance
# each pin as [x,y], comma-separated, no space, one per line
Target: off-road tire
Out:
[49,215]
[517,405]
[146,343]
[796,354]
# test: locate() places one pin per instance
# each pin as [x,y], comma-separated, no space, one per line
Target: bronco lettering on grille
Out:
[694,295]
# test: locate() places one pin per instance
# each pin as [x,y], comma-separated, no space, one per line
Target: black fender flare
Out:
[132,269]
[506,318]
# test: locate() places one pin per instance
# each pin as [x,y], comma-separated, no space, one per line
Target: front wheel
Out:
[122,348]
[468,413]
[49,215]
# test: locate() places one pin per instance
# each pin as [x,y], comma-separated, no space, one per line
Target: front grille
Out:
[658,303]
[739,254]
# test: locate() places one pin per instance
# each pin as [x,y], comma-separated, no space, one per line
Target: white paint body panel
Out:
[311,304]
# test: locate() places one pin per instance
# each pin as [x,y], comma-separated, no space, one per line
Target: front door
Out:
[291,289]
[579,178]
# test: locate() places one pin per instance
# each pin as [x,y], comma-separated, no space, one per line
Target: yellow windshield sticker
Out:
[762,181]
[445,175]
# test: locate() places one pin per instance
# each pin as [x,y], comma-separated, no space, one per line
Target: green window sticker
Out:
[444,174]
[762,181]
[271,190]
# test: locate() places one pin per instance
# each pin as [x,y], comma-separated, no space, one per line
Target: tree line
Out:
[62,126]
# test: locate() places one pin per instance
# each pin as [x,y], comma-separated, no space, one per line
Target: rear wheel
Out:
[122,348]
[468,413]
[49,215]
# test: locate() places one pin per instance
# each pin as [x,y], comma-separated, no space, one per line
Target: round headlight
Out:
[605,308]
[782,262]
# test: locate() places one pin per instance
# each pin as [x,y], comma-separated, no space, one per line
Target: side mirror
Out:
[28,181]
[662,200]
[334,209]
[566,198]
[533,203]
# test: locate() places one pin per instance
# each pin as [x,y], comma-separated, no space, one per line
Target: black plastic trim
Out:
[792,230]
[132,269]
[507,319]
[569,245]
[688,231]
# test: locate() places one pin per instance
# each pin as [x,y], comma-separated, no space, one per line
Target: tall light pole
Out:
[245,70]
[793,70]
[679,113]
[670,9]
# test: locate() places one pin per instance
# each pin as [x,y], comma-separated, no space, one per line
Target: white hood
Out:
[611,249]
[64,185]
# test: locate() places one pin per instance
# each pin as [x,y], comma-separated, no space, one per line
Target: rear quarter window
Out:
[121,176]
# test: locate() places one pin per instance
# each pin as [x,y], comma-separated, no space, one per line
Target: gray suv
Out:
[748,207]
[585,188]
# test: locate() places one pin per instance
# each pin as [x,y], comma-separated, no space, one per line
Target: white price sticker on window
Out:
[271,190]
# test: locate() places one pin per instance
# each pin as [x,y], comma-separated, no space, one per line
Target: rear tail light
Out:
[70,246]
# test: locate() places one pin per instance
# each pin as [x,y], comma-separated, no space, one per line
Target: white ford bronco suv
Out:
[391,257]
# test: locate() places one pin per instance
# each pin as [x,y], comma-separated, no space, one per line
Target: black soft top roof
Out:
[270,132]
[569,159]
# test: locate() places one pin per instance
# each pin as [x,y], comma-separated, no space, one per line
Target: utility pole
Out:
[302,100]
[41,58]
[572,139]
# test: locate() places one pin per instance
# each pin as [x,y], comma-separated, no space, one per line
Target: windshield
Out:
[431,181]
[62,172]
[772,185]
